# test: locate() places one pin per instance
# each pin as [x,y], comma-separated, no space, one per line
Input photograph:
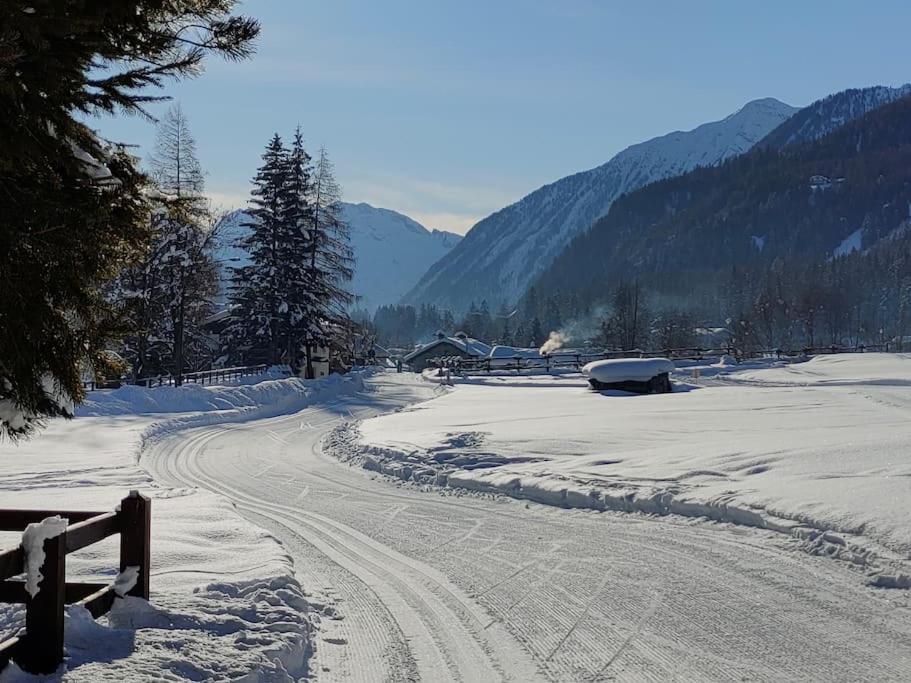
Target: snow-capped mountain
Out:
[815,198]
[829,113]
[227,253]
[391,250]
[504,252]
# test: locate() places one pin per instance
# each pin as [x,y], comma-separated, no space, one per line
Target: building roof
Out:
[473,347]
[510,352]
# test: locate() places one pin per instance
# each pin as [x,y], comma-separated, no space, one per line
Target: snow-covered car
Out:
[639,375]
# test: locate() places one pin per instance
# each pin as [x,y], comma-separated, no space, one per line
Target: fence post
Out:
[135,539]
[42,647]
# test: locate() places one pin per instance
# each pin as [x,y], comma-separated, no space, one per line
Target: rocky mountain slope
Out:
[503,253]
[811,200]
[829,113]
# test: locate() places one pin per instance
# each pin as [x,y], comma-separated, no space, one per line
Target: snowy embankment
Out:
[818,450]
[225,603]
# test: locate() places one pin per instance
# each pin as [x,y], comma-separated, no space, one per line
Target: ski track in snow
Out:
[428,584]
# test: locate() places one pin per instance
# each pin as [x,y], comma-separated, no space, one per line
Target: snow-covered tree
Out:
[331,260]
[72,211]
[297,219]
[292,296]
[257,289]
[187,275]
[165,295]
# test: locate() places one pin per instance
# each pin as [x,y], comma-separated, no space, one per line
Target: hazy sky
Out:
[447,110]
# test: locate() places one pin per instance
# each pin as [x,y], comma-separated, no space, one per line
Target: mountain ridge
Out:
[814,198]
[503,253]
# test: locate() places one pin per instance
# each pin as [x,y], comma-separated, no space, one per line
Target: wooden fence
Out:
[575,360]
[212,376]
[39,649]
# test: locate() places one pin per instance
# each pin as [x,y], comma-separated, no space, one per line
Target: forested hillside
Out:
[503,253]
[692,241]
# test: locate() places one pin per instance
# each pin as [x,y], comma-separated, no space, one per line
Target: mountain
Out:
[810,201]
[228,232]
[825,115]
[504,252]
[391,250]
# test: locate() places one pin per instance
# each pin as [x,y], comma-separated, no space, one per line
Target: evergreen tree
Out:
[257,301]
[536,333]
[72,210]
[447,324]
[504,316]
[300,304]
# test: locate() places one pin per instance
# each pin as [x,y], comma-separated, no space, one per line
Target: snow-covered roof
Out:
[513,352]
[627,369]
[469,345]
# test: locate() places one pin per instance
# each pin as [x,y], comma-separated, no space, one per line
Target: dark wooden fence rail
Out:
[39,649]
[200,377]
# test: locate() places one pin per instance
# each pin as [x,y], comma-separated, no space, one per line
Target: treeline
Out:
[293,294]
[863,298]
[756,246]
[403,326]
[286,298]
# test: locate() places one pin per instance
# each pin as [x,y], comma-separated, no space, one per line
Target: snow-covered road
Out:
[433,585]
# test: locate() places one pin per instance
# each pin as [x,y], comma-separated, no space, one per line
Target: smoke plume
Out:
[555,341]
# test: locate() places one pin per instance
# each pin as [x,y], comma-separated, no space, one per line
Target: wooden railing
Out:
[212,376]
[39,649]
[558,360]
[575,360]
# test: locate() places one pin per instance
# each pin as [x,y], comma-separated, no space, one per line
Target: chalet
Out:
[460,345]
[822,182]
[380,355]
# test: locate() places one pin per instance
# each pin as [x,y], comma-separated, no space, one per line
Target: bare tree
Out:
[331,259]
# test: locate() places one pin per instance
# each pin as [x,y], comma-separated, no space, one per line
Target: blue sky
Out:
[448,110]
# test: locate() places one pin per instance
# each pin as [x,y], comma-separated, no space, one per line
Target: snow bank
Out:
[225,605]
[627,369]
[274,393]
[817,450]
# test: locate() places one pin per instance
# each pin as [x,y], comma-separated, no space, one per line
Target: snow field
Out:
[817,450]
[430,583]
[225,604]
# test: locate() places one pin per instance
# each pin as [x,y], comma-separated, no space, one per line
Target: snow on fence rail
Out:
[199,377]
[46,591]
[555,361]
[575,361]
